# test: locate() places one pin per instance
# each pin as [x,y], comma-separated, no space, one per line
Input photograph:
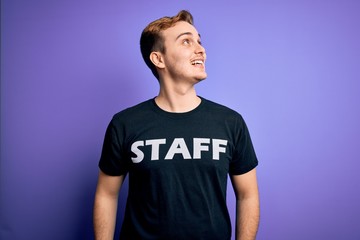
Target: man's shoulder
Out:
[221,109]
[135,111]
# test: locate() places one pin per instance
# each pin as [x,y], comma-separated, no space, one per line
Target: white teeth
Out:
[197,62]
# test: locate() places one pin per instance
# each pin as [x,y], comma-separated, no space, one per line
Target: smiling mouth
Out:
[197,63]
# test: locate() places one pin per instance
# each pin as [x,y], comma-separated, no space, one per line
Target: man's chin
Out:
[202,77]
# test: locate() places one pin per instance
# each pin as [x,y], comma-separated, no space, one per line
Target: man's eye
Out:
[186,41]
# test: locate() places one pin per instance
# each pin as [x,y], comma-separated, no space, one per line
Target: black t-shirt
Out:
[178,165]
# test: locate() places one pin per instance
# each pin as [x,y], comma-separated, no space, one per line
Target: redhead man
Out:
[178,150]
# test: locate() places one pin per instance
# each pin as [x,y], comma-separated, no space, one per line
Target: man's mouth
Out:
[197,62]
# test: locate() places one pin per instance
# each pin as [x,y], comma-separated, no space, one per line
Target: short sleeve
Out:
[113,160]
[244,158]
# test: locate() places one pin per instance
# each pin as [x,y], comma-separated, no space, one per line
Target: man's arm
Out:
[105,206]
[247,205]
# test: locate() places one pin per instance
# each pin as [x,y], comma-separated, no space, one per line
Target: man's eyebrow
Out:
[185,33]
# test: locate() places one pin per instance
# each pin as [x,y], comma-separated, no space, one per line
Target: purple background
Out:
[291,68]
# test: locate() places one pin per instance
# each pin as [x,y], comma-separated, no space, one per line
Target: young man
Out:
[178,150]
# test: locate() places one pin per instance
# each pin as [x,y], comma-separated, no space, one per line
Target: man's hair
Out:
[151,39]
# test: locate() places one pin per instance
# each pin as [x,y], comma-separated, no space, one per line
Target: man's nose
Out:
[199,48]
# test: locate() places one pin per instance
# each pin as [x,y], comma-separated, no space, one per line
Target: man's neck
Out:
[177,100]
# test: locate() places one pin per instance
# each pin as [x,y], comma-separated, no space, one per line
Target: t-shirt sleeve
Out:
[244,158]
[113,160]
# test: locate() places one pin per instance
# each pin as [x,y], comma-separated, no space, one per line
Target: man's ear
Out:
[157,59]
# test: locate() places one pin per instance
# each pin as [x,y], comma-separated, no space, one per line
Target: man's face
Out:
[184,56]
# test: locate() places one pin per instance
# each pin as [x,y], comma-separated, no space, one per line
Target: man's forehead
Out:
[181,28]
